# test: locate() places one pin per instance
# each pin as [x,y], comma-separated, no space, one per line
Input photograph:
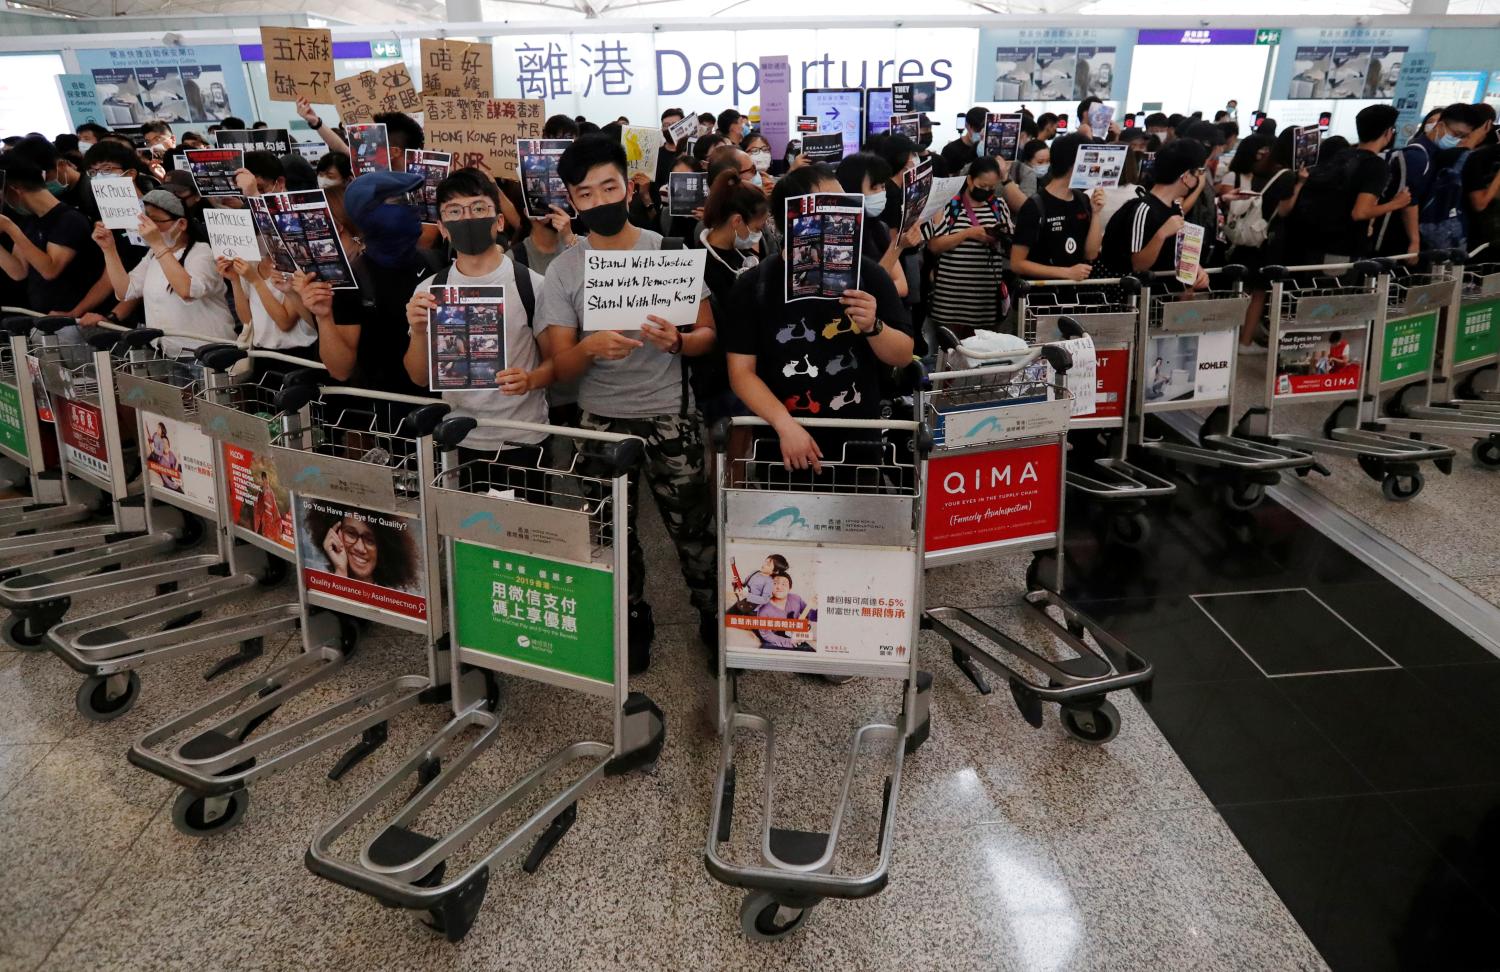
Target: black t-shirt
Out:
[1131,228]
[808,352]
[1479,168]
[1055,230]
[1366,173]
[379,307]
[957,154]
[67,227]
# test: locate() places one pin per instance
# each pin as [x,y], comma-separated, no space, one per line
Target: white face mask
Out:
[761,160]
[1040,170]
[875,204]
[747,242]
[327,182]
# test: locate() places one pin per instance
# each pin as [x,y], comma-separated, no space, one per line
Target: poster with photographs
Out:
[1002,136]
[917,96]
[1055,74]
[465,338]
[213,170]
[1305,143]
[1098,167]
[916,187]
[274,140]
[364,557]
[1094,76]
[541,186]
[433,167]
[369,149]
[824,147]
[297,230]
[1345,70]
[686,192]
[1189,367]
[179,460]
[908,124]
[836,602]
[258,503]
[824,237]
[1320,362]
[183,93]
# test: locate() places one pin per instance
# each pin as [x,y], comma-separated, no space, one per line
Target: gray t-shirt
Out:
[520,352]
[646,383]
[539,259]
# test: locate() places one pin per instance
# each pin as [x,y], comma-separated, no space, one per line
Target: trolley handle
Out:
[1365,268]
[51,325]
[316,369]
[1471,254]
[18,325]
[103,340]
[1232,272]
[219,356]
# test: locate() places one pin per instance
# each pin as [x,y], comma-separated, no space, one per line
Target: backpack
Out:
[524,290]
[1247,224]
[1321,215]
[1441,213]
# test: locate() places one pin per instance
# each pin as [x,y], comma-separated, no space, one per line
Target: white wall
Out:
[29,97]
[1188,79]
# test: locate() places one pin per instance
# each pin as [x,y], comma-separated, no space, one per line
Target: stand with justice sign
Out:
[995,484]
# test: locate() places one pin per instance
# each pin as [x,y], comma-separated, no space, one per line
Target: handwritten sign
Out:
[357,98]
[231,234]
[119,203]
[397,91]
[483,131]
[457,69]
[621,287]
[299,63]
[642,145]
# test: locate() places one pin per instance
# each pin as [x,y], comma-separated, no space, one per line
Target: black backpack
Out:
[1324,205]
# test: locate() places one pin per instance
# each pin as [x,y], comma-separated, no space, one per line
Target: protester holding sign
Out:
[633,383]
[275,315]
[1143,234]
[1059,231]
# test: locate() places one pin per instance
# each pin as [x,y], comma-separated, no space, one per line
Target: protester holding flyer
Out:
[1059,231]
[178,282]
[469,209]
[817,358]
[278,321]
[869,175]
[970,240]
[1142,235]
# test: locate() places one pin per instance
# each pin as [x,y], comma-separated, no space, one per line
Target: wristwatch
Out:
[879,326]
[318,125]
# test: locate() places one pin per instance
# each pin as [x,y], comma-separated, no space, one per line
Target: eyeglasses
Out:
[479,210]
[167,221]
[105,169]
[355,537]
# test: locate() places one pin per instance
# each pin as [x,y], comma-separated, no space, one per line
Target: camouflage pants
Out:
[675,470]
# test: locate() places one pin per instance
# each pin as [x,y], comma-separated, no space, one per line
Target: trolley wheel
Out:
[192,532]
[1095,725]
[763,920]
[1243,496]
[1398,488]
[190,811]
[1487,453]
[1372,466]
[1342,417]
[1040,561]
[275,572]
[95,704]
[1406,398]
[24,633]
[1129,529]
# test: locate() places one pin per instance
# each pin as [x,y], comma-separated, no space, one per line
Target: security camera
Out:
[172,39]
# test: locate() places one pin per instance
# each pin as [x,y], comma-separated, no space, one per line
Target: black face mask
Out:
[925,140]
[606,219]
[980,195]
[471,237]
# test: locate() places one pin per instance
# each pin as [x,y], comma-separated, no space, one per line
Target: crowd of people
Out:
[750,350]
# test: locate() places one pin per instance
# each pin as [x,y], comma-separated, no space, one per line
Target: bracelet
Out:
[317,126]
[678,348]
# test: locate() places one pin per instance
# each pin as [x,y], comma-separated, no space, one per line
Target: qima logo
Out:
[791,514]
[995,477]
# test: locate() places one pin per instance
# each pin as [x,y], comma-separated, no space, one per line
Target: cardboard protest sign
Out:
[397,90]
[231,234]
[357,98]
[642,146]
[457,69]
[621,287]
[299,63]
[119,203]
[483,131]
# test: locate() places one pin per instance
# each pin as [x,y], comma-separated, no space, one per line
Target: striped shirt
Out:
[1130,229]
[966,289]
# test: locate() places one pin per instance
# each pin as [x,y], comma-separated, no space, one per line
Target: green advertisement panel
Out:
[1478,334]
[12,435]
[529,609]
[1408,346]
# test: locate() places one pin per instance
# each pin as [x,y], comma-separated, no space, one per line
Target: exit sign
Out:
[389,50]
[1270,36]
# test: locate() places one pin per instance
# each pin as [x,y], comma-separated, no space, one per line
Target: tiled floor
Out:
[1014,848]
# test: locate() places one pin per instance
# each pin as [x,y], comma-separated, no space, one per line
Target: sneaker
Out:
[640,628]
[708,633]
[1255,350]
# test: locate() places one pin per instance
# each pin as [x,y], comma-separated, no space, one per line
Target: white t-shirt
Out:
[266,334]
[205,316]
[520,352]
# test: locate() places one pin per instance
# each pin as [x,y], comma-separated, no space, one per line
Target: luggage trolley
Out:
[333,453]
[62,506]
[26,461]
[195,462]
[1108,310]
[511,535]
[1468,350]
[1322,321]
[996,477]
[1188,361]
[853,535]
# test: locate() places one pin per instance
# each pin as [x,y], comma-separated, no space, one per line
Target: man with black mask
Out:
[634,383]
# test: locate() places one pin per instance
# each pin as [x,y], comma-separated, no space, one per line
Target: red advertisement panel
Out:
[986,497]
[257,501]
[83,436]
[1111,371]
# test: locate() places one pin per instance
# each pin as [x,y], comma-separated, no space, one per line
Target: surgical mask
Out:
[980,195]
[1447,142]
[606,219]
[1040,170]
[747,242]
[976,135]
[160,148]
[472,236]
[327,182]
[86,144]
[757,181]
[56,188]
[762,160]
[875,204]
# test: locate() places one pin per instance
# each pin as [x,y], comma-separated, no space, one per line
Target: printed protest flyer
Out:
[686,191]
[1098,167]
[433,167]
[916,188]
[297,229]
[213,170]
[466,338]
[541,186]
[369,149]
[1002,136]
[824,239]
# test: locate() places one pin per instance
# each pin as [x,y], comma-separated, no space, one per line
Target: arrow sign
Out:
[833,113]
